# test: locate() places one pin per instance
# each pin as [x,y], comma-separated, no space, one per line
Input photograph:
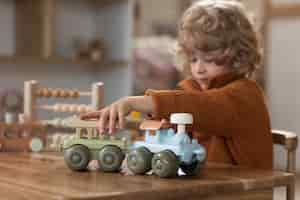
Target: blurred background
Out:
[127,45]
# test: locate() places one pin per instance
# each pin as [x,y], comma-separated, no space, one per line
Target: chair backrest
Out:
[289,141]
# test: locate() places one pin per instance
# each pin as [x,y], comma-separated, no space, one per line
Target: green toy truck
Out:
[85,145]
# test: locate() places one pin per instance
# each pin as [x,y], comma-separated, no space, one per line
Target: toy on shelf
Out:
[22,137]
[94,50]
[32,92]
[11,104]
[85,145]
[166,151]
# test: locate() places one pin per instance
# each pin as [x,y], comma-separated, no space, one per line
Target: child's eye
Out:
[208,60]
[193,59]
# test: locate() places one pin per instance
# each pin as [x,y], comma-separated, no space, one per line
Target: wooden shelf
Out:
[292,10]
[35,22]
[58,60]
[103,3]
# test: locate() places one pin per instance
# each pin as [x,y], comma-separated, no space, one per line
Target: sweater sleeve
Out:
[214,110]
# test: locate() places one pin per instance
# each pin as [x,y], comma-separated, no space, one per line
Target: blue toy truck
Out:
[165,151]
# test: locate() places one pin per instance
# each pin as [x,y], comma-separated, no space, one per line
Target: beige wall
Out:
[169,12]
[154,11]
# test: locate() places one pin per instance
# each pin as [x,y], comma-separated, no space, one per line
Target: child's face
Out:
[202,64]
[203,70]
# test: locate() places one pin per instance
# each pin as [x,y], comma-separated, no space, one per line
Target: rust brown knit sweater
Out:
[230,118]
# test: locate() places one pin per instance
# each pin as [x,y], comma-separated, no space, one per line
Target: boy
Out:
[217,44]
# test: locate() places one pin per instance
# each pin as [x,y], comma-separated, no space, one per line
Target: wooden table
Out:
[44,176]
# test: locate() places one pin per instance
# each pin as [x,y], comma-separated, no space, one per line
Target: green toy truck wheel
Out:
[165,164]
[139,160]
[110,158]
[77,157]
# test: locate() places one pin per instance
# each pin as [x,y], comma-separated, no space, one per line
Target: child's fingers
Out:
[164,121]
[121,119]
[103,120]
[166,124]
[91,115]
[99,129]
[112,119]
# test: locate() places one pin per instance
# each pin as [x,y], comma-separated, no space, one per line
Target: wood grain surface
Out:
[45,176]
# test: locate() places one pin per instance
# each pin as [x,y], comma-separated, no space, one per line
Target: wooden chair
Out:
[289,141]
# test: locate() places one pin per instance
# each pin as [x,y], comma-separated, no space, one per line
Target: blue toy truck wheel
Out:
[139,160]
[110,158]
[191,169]
[77,157]
[165,164]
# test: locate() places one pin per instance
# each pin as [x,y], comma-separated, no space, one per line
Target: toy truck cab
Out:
[166,151]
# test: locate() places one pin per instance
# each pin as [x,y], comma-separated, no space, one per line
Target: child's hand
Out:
[109,115]
[118,110]
[166,124]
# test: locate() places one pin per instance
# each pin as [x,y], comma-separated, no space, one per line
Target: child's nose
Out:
[200,66]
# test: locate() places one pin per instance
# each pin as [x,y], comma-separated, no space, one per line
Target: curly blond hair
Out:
[221,30]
